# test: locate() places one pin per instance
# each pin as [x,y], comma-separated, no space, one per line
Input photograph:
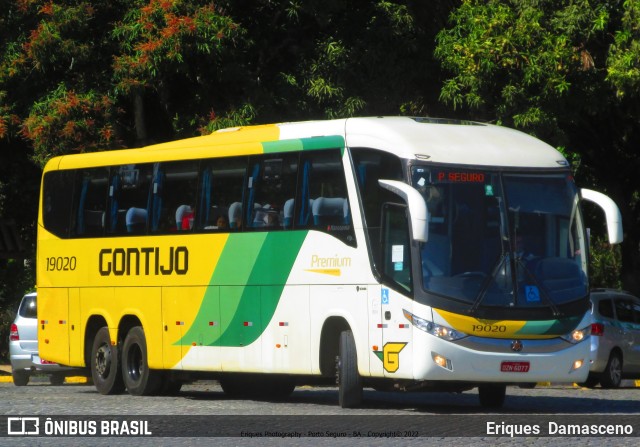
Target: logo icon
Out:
[23,426]
[390,356]
[516,346]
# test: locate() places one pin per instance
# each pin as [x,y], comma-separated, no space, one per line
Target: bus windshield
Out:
[501,239]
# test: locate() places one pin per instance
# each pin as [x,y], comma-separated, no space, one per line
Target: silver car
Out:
[23,347]
[615,338]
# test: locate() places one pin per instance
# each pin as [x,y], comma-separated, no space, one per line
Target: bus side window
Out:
[173,196]
[396,258]
[271,185]
[323,198]
[219,206]
[57,202]
[371,165]
[90,197]
[130,195]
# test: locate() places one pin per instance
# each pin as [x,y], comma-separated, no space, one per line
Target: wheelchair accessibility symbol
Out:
[532,293]
[385,296]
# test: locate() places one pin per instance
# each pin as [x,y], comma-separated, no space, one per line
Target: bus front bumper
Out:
[498,360]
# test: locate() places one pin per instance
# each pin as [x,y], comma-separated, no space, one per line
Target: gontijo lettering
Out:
[146,261]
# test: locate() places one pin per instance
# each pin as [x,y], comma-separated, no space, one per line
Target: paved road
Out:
[315,410]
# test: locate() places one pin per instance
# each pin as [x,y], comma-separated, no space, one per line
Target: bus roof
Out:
[435,140]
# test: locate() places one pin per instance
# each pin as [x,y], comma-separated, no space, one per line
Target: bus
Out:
[394,253]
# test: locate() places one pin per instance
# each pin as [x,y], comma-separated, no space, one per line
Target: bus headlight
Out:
[443,332]
[578,335]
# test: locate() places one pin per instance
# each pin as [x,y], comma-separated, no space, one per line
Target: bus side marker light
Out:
[194,344]
[375,348]
[248,323]
[278,345]
[382,326]
[46,341]
[212,323]
[283,323]
[62,322]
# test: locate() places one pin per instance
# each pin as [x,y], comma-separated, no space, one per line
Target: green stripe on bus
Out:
[270,147]
[550,327]
[245,287]
[303,144]
[329,142]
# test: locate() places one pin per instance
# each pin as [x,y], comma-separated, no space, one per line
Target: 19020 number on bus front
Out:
[489,328]
[61,263]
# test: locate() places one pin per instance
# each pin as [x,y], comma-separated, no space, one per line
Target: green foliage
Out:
[66,122]
[160,37]
[623,65]
[240,117]
[519,58]
[605,264]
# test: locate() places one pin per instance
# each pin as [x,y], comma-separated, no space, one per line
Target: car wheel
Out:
[20,378]
[105,364]
[612,375]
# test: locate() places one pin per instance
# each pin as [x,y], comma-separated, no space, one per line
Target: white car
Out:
[615,338]
[23,347]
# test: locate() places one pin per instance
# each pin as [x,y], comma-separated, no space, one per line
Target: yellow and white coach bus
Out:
[393,253]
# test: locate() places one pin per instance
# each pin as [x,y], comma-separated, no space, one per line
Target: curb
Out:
[71,379]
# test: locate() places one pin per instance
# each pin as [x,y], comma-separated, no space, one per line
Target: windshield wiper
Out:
[490,279]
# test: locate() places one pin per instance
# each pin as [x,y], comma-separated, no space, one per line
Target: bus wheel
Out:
[138,378]
[492,396]
[105,364]
[349,380]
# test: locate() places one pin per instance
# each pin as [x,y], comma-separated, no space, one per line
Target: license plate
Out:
[516,367]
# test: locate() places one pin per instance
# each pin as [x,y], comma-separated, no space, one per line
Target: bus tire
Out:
[492,396]
[612,374]
[138,378]
[349,380]
[105,364]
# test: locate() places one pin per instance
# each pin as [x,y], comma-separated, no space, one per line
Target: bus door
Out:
[395,293]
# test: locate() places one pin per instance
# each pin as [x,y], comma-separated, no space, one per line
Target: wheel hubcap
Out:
[136,366]
[103,360]
[615,371]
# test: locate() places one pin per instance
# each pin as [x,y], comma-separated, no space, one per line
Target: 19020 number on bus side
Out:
[61,263]
[488,328]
